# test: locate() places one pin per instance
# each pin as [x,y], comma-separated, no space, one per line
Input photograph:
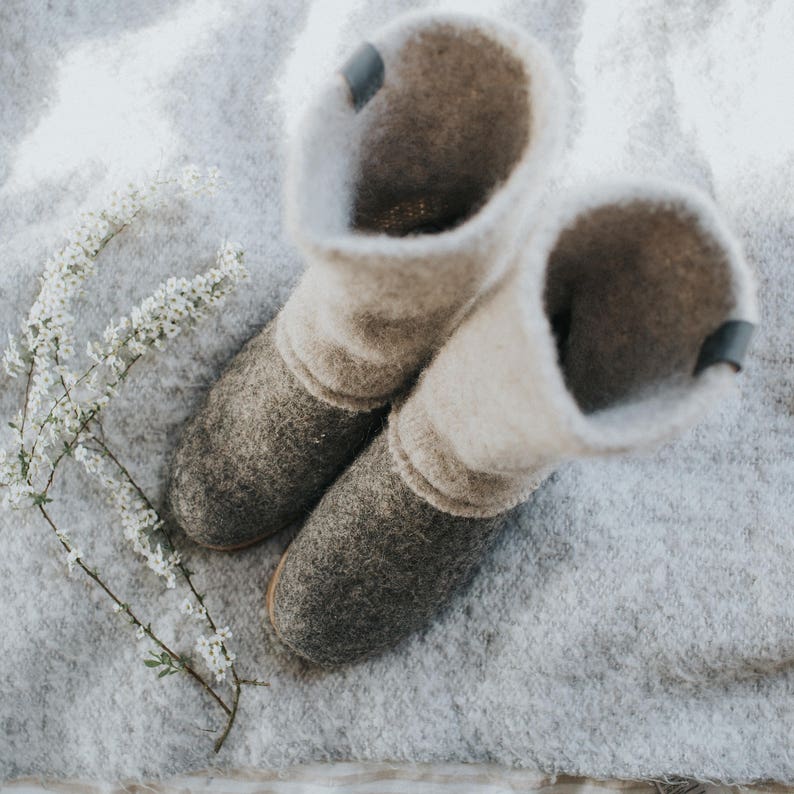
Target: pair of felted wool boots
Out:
[455,336]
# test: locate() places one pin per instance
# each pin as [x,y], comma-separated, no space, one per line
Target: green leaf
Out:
[151,662]
[41,499]
[163,673]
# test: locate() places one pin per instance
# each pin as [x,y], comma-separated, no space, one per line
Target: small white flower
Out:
[71,559]
[12,361]
[118,608]
[216,656]
[140,632]
[186,607]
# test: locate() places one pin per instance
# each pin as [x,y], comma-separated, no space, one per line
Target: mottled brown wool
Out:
[258,453]
[372,563]
[639,284]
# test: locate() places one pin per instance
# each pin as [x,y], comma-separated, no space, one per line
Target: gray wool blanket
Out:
[635,620]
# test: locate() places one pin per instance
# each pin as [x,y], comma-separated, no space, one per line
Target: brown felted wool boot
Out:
[627,317]
[406,183]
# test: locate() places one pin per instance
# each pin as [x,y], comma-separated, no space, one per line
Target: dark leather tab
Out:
[364,72]
[727,345]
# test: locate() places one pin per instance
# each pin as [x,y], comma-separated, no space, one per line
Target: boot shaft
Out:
[592,347]
[407,207]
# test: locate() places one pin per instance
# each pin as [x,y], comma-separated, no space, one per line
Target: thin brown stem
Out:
[180,565]
[86,374]
[237,681]
[92,574]
[230,718]
[68,447]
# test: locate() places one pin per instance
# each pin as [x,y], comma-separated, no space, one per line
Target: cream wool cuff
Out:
[623,323]
[407,210]
[591,348]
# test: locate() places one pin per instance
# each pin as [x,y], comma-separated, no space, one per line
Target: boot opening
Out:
[450,122]
[631,293]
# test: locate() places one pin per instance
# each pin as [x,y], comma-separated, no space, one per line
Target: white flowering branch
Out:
[60,415]
[75,558]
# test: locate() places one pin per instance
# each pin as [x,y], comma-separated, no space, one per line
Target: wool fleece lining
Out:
[442,134]
[631,293]
[409,209]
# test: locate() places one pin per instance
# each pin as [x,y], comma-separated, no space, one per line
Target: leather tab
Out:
[364,72]
[727,345]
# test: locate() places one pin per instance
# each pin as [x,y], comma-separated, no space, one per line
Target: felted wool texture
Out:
[618,291]
[454,119]
[407,210]
[259,451]
[633,618]
[589,349]
[371,564]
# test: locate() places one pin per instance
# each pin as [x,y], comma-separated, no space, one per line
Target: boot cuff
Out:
[459,130]
[641,303]
[622,324]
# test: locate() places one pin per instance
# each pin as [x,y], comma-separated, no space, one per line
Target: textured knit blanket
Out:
[634,621]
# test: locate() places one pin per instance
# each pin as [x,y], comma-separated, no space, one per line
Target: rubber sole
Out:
[270,597]
[239,546]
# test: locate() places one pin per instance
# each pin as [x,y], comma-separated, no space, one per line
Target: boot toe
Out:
[260,451]
[372,563]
